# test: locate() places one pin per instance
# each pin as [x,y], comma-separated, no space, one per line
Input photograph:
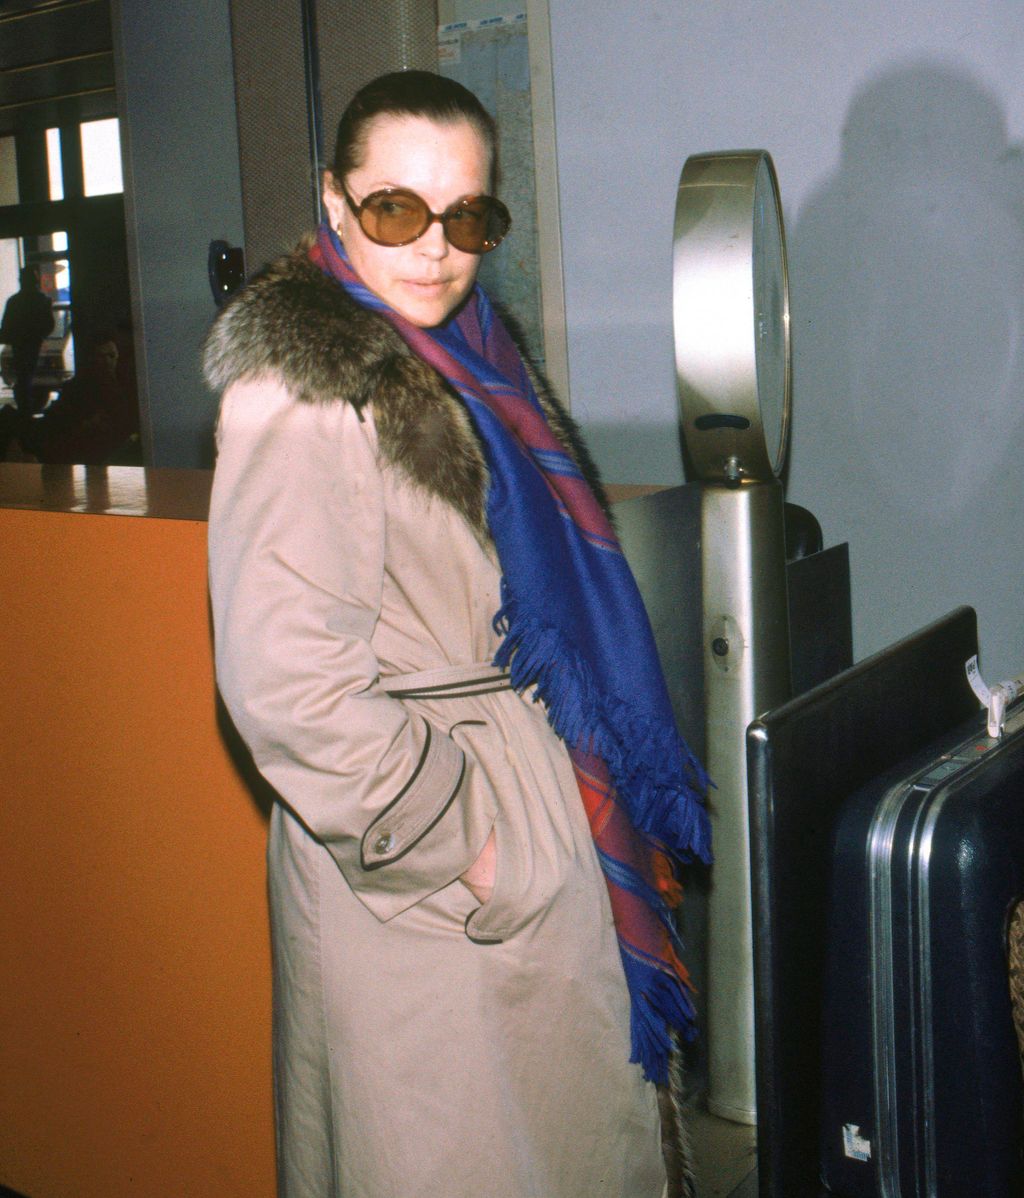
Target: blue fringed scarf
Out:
[575,627]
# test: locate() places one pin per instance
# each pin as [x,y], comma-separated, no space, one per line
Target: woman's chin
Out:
[425,305]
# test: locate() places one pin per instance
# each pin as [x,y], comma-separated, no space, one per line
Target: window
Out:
[101,159]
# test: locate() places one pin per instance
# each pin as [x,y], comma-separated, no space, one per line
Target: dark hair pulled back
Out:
[407,93]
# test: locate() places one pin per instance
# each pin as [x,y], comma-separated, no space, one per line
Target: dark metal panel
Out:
[296,67]
[274,153]
[820,624]
[56,64]
[360,39]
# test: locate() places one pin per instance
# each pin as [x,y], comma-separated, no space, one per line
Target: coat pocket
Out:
[536,848]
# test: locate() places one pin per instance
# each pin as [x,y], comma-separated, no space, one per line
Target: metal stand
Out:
[746,672]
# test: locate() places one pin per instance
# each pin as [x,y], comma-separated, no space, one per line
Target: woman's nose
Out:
[433,243]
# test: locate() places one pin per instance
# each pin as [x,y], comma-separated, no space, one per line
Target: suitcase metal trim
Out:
[930,786]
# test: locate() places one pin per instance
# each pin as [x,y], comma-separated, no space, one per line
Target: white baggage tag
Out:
[998,699]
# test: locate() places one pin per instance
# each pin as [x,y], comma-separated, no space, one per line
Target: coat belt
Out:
[449,682]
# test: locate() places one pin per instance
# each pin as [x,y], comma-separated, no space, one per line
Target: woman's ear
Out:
[334,201]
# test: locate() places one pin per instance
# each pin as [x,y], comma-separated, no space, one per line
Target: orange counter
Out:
[134,955]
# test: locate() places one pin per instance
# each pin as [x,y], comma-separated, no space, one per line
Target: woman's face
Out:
[429,278]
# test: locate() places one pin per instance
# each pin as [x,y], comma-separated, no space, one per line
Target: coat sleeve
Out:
[296,550]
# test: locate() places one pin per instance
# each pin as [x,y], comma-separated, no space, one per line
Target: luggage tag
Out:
[998,699]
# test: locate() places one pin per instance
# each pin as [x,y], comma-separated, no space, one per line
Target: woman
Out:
[389,531]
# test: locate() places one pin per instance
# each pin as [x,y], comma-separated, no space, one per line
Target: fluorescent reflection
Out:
[101,158]
[54,164]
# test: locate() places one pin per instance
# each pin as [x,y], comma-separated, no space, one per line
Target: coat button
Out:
[384,843]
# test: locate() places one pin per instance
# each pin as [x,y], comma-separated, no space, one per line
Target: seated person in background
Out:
[94,415]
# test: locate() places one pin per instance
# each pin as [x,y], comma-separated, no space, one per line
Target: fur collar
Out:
[295,323]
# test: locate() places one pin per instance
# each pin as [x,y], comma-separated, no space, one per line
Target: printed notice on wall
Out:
[491,57]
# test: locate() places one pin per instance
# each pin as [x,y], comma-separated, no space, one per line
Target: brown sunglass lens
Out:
[476,226]
[394,218]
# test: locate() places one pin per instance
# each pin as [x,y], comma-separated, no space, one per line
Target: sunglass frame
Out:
[431,216]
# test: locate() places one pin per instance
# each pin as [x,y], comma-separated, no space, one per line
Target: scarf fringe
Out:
[668,808]
[659,1005]
[658,779]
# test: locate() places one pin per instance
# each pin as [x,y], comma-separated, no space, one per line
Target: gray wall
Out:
[896,132]
[897,139]
[176,99]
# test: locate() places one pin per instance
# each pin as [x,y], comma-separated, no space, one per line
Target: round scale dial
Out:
[731,316]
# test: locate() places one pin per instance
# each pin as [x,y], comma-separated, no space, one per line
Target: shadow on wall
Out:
[640,451]
[907,271]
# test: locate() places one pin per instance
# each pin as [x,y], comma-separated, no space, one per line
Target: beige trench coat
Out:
[423,1044]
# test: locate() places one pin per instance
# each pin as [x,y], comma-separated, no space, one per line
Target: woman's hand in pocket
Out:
[479,878]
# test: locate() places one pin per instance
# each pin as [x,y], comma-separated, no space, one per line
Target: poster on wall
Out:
[491,57]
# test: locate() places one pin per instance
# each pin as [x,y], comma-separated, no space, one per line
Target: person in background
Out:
[427,635]
[94,418]
[27,322]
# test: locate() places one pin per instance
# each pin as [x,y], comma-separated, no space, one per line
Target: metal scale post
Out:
[731,318]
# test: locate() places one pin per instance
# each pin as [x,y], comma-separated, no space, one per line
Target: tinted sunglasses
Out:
[396,217]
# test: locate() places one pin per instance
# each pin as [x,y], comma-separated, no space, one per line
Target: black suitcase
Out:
[805,759]
[921,1077]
